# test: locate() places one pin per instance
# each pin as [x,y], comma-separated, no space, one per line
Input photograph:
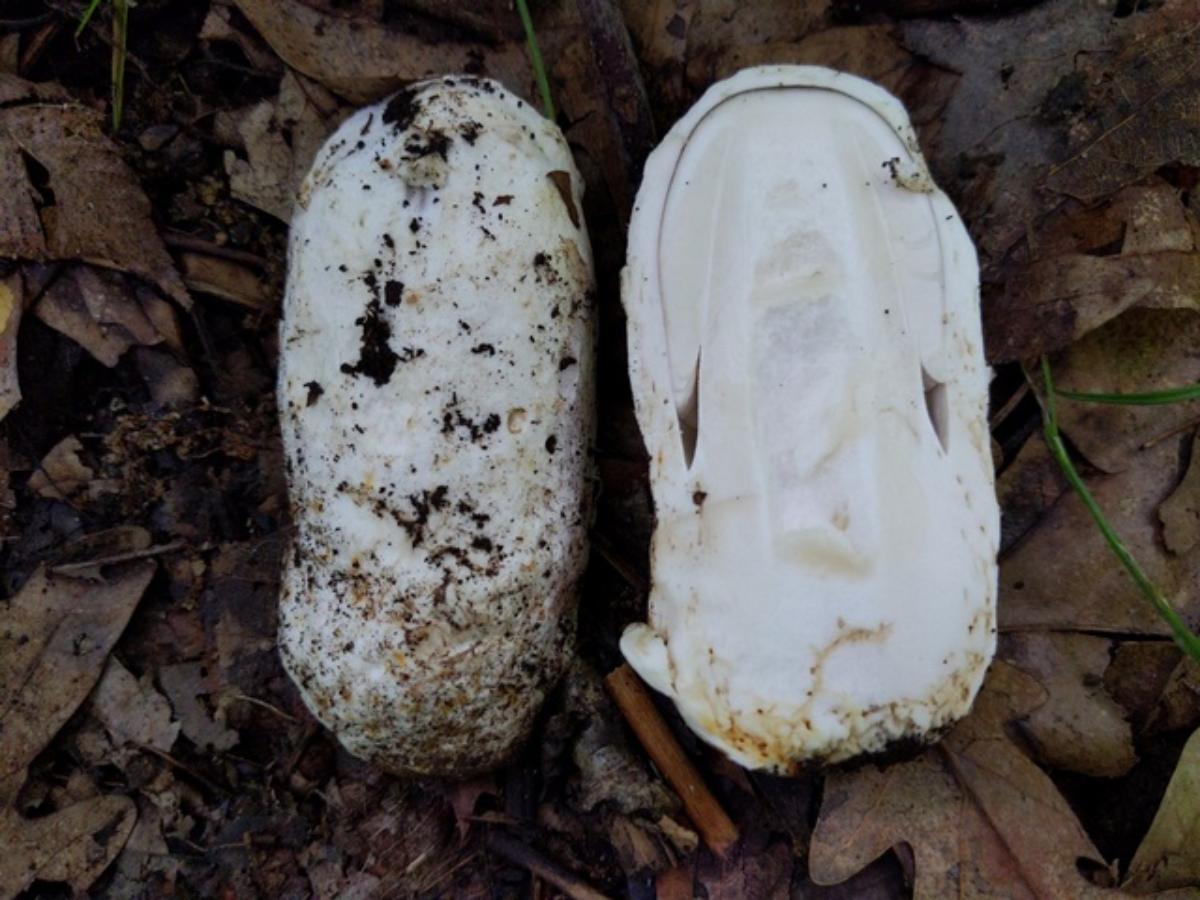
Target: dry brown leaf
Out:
[1003,124]
[1138,674]
[1169,855]
[133,711]
[61,474]
[90,206]
[73,845]
[1091,265]
[966,808]
[219,27]
[362,60]
[57,632]
[1079,728]
[226,278]
[99,310]
[1063,576]
[659,29]
[184,685]
[1142,350]
[1180,512]
[760,868]
[12,304]
[280,137]
[1027,487]
[718,24]
[1178,705]
[1142,98]
[10,52]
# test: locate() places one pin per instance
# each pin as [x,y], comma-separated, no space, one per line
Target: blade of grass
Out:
[86,17]
[1187,640]
[120,34]
[535,59]
[1149,398]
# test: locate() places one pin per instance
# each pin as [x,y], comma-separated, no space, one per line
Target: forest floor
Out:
[150,743]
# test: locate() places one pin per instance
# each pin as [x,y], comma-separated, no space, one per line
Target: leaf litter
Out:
[1064,133]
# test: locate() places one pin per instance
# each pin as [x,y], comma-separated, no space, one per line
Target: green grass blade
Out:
[1149,398]
[535,59]
[1188,641]
[86,17]
[120,34]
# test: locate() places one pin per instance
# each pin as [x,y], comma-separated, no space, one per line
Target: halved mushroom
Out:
[806,359]
[435,387]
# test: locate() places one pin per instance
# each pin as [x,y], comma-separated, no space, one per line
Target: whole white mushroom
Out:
[435,388]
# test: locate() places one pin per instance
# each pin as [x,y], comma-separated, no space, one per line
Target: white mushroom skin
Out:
[803,319]
[436,396]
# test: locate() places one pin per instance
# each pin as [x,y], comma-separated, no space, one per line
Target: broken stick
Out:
[632,698]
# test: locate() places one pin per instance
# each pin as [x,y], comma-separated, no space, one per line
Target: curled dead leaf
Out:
[1079,728]
[57,634]
[12,304]
[965,808]
[73,845]
[1169,855]
[362,60]
[1063,575]
[66,194]
[1142,350]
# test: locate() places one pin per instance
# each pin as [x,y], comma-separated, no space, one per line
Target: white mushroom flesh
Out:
[807,365]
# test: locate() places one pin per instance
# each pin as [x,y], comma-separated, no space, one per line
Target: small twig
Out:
[621,566]
[246,698]
[1167,435]
[200,245]
[113,559]
[1009,405]
[37,44]
[717,829]
[528,858]
[176,764]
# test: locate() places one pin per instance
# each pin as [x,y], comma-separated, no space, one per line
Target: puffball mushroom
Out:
[806,360]
[436,392]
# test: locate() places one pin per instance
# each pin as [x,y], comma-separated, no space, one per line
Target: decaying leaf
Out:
[132,710]
[362,60]
[12,304]
[1004,122]
[967,808]
[1180,512]
[55,635]
[280,138]
[1142,350]
[760,868]
[870,51]
[184,685]
[61,474]
[73,845]
[1079,728]
[1169,855]
[1091,265]
[103,312]
[608,769]
[67,195]
[1028,487]
[1063,576]
[226,278]
[1143,99]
